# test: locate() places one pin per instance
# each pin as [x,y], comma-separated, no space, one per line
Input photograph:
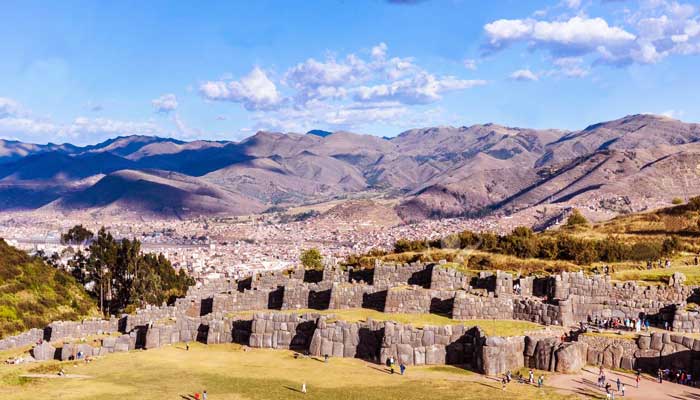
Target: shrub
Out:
[576,219]
[677,201]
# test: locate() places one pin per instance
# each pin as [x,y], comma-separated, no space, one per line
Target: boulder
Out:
[644,342]
[571,357]
[67,352]
[43,352]
[656,341]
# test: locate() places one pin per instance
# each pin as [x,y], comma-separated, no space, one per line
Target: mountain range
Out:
[630,164]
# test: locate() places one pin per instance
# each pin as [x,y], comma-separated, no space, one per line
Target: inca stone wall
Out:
[468,306]
[447,278]
[647,352]
[283,331]
[430,345]
[416,300]
[389,275]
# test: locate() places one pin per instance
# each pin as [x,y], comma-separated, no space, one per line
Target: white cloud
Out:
[348,91]
[423,88]
[502,31]
[648,34]
[255,91]
[185,130]
[571,67]
[573,4]
[379,51]
[524,75]
[165,103]
[8,107]
[15,121]
[470,64]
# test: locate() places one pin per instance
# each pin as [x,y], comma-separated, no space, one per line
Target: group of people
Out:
[608,387]
[202,396]
[676,376]
[629,324]
[391,363]
[663,264]
[508,377]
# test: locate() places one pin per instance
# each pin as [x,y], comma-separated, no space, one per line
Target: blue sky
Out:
[85,71]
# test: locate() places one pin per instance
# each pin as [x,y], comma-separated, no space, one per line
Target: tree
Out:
[77,235]
[576,219]
[123,278]
[312,258]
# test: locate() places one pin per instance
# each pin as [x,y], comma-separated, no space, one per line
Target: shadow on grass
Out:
[379,369]
[293,389]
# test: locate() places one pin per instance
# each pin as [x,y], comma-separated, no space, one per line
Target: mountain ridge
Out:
[435,171]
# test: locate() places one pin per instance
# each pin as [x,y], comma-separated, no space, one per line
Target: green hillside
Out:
[32,293]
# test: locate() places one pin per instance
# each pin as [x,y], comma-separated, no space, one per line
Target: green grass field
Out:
[491,327]
[229,372]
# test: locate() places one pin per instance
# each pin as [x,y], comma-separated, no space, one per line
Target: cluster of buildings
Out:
[213,248]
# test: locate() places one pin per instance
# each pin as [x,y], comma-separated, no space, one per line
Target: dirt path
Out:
[584,384]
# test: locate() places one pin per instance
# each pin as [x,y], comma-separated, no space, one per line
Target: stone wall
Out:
[596,296]
[283,331]
[468,306]
[430,345]
[388,275]
[447,278]
[416,300]
[647,352]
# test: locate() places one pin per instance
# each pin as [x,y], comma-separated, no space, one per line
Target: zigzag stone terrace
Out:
[212,314]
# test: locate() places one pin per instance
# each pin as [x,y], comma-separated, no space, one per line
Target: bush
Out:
[677,201]
[576,219]
[312,258]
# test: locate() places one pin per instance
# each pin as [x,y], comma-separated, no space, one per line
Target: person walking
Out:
[636,378]
[659,375]
[204,395]
[303,387]
[402,367]
[618,384]
[540,381]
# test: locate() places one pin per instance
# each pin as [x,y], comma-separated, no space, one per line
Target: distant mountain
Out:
[633,163]
[156,193]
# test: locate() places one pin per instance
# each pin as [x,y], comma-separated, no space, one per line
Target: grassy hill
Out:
[32,293]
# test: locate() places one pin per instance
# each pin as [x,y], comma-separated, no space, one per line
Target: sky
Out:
[82,72]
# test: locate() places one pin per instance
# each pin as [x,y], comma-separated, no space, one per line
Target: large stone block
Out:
[571,357]
[43,352]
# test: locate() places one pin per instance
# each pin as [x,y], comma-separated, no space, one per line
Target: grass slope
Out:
[32,293]
[227,372]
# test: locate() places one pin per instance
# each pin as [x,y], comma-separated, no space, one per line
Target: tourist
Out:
[660,375]
[532,377]
[204,395]
[622,390]
[187,346]
[303,387]
[638,377]
[508,376]
[540,381]
[196,396]
[325,358]
[618,384]
[503,383]
[402,367]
